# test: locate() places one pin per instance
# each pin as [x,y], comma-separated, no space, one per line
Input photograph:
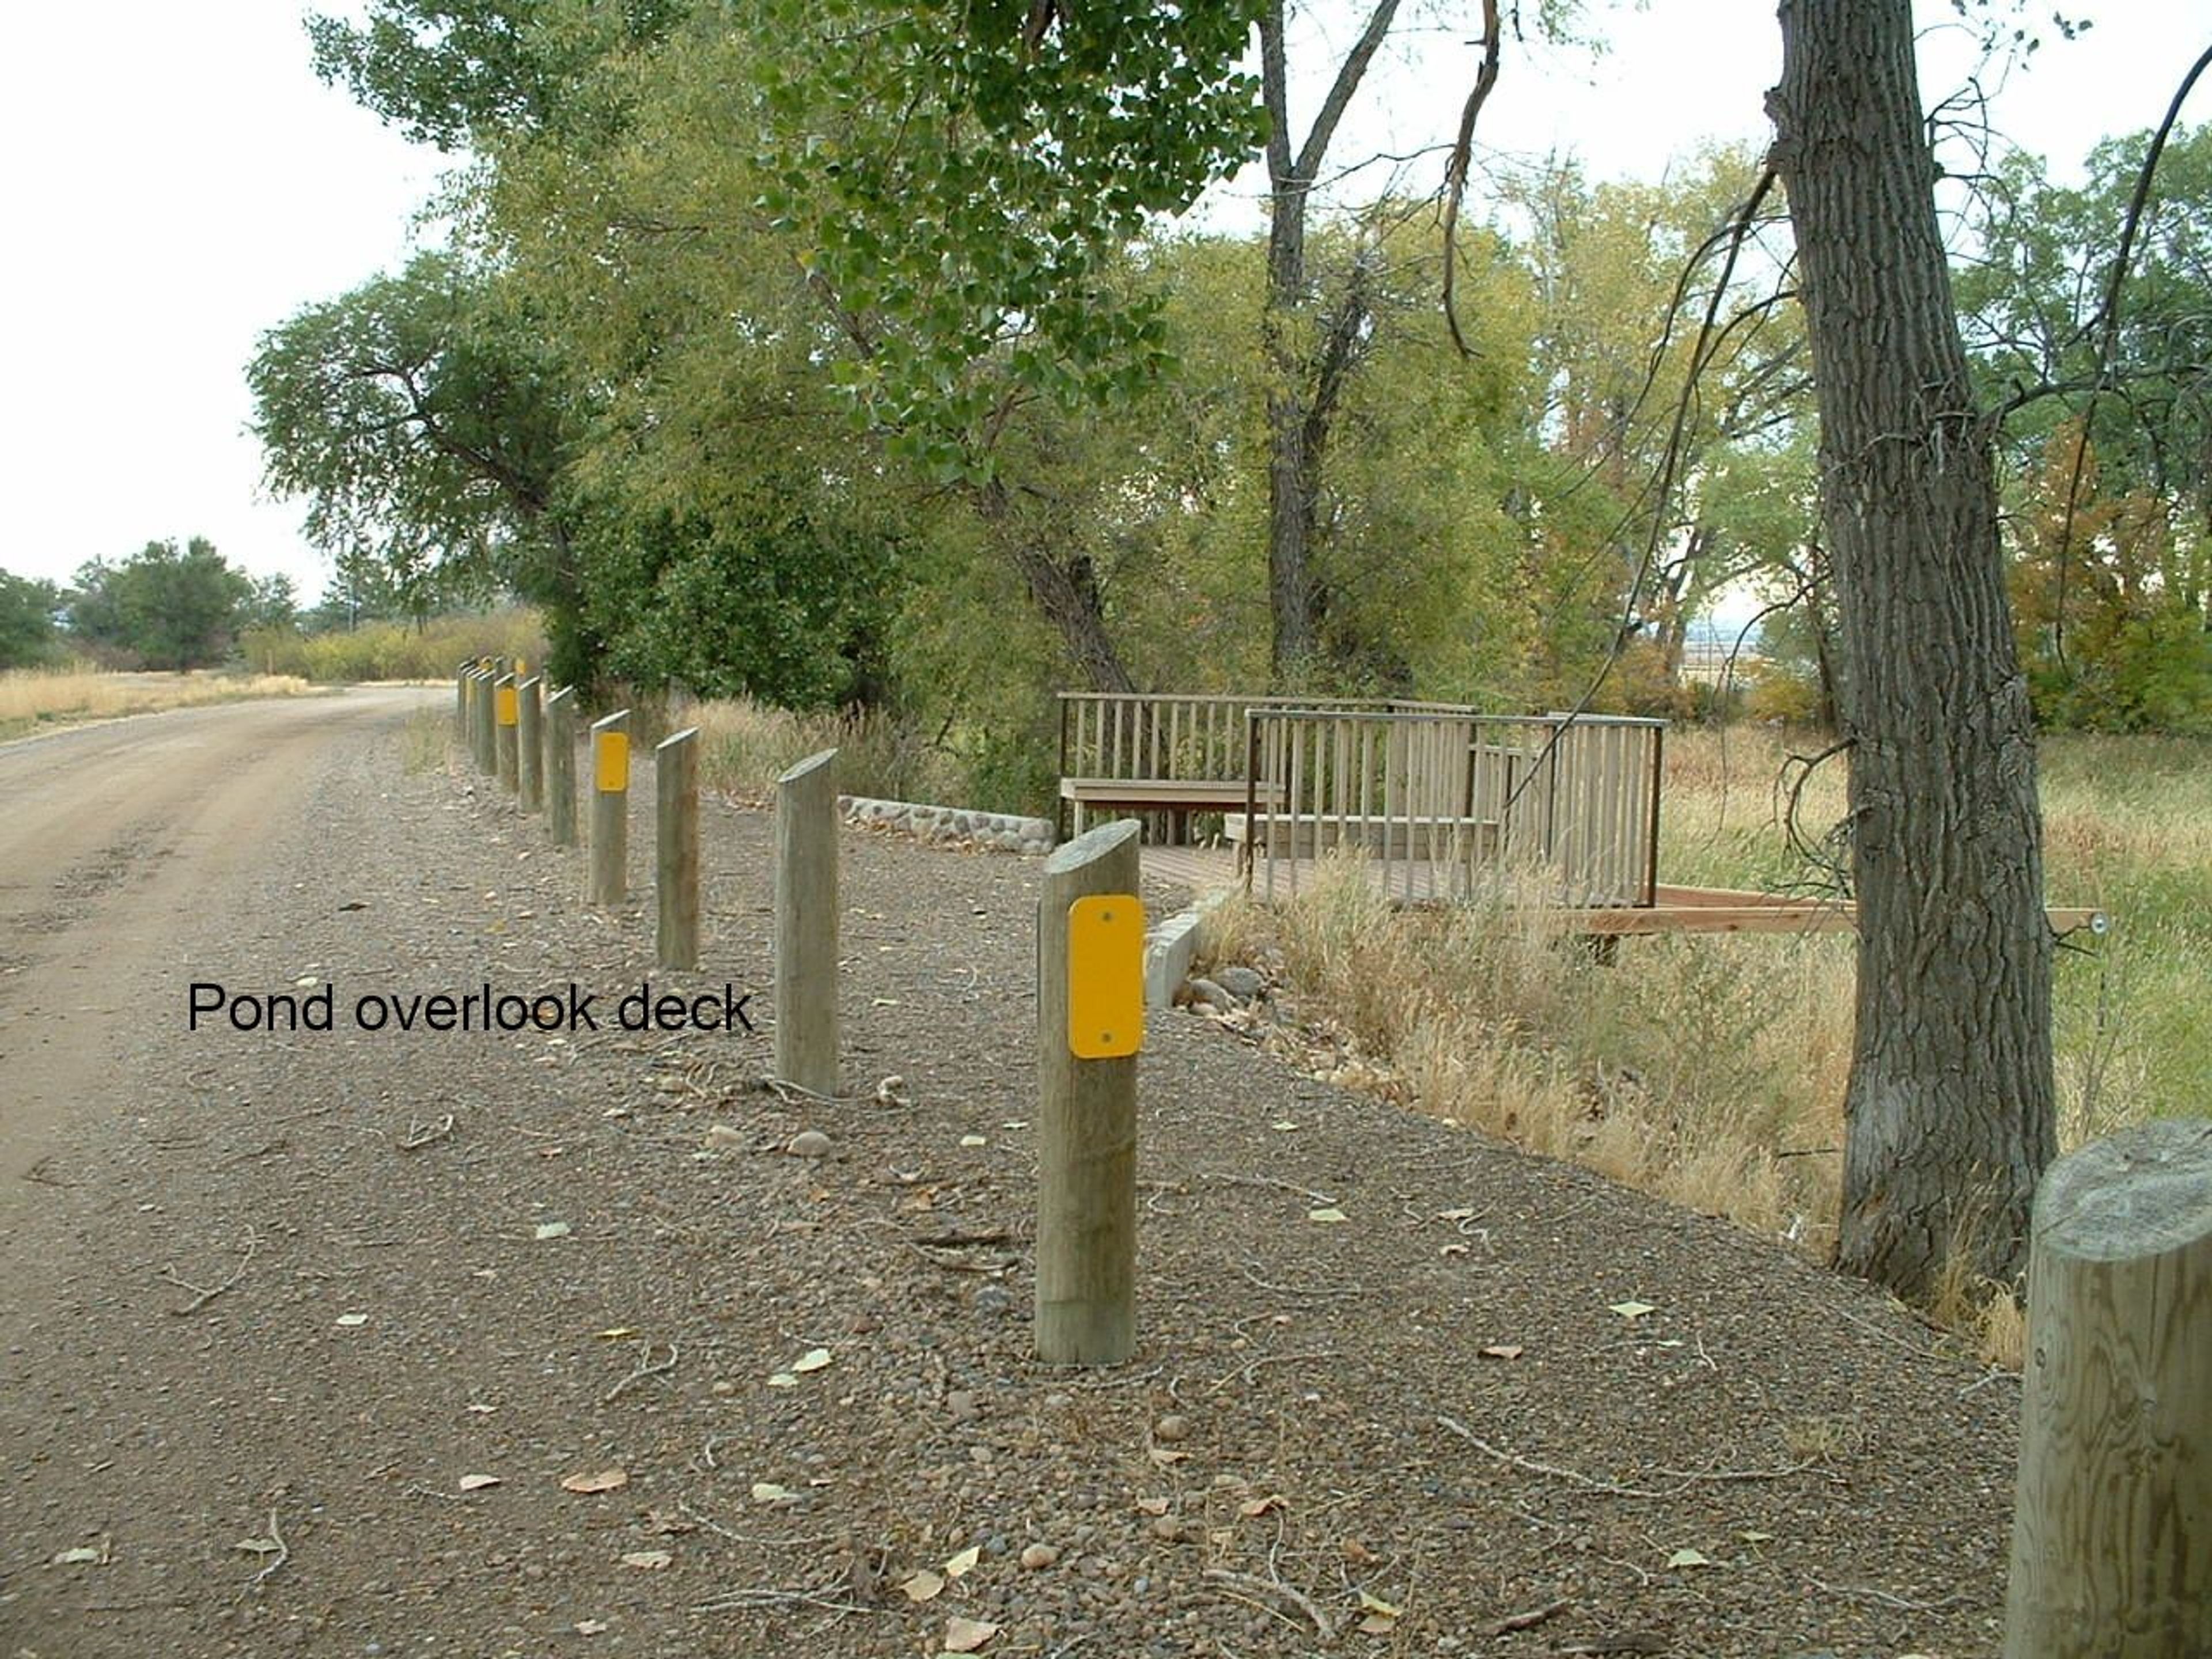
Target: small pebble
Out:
[723,1137]
[960,1404]
[1171,1428]
[1037,1556]
[809,1143]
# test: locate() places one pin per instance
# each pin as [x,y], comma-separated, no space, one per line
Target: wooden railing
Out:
[1441,800]
[1167,756]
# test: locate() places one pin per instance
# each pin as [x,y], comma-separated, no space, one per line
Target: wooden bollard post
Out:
[528,746]
[1091,1012]
[806,924]
[675,850]
[505,703]
[2111,1542]
[611,808]
[461,702]
[559,766]
[487,726]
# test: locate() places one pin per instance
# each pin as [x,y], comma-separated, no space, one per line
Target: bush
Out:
[395,651]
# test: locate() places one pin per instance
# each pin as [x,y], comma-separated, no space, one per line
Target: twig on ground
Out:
[420,1135]
[703,1519]
[1298,1599]
[1684,1479]
[1228,1180]
[646,1367]
[1318,1291]
[1903,1604]
[283,1554]
[201,1296]
[819,1597]
[1530,1619]
[1246,1370]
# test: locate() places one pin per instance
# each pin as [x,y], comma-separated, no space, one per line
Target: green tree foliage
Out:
[28,628]
[162,608]
[2109,444]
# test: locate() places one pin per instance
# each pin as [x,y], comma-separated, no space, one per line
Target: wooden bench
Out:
[1178,795]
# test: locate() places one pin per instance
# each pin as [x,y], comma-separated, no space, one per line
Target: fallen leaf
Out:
[1631,1311]
[767,1492]
[478,1482]
[259,1546]
[1687,1558]
[598,1480]
[974,1140]
[922,1586]
[81,1556]
[1454,1215]
[1151,1505]
[481,1409]
[614,1332]
[647,1560]
[552,1230]
[783,1380]
[1453,1249]
[1377,1624]
[1357,1551]
[350,1320]
[966,1635]
[1375,1604]
[1503,1351]
[1283,1125]
[591,1626]
[1166,1458]
[1328,1214]
[964,1563]
[1252,1506]
[1753,1536]
[812,1360]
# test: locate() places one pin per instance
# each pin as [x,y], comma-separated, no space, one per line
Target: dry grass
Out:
[745,747]
[1710,1070]
[31,698]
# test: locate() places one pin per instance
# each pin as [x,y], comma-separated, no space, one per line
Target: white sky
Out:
[183,182]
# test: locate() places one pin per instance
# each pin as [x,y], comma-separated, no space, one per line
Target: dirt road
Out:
[525,1344]
[115,841]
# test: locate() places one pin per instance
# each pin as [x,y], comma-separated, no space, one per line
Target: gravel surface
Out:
[432,1342]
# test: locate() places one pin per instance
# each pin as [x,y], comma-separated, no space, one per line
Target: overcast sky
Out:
[183,182]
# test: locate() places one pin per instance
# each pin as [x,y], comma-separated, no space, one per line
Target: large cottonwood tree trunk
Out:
[1952,1116]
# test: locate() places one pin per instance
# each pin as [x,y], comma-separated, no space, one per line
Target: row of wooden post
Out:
[2112,1532]
[532,750]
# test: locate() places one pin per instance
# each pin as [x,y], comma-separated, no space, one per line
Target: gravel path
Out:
[315,1335]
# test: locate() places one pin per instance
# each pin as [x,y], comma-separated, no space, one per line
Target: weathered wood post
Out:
[559,766]
[2111,1543]
[508,706]
[1091,997]
[611,808]
[676,847]
[461,701]
[487,727]
[529,745]
[806,924]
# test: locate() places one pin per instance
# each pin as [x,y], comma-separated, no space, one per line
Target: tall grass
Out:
[1710,1070]
[395,651]
[31,698]
[745,747]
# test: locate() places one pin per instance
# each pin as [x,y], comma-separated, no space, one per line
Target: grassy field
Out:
[32,699]
[1710,1070]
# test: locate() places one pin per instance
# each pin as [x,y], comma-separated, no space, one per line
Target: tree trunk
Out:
[1294,441]
[1950,1104]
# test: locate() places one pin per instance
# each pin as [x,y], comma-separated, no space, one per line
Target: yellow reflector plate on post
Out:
[613,755]
[1106,977]
[508,715]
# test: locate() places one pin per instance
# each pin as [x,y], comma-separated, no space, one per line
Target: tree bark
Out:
[1294,441]
[1951,1109]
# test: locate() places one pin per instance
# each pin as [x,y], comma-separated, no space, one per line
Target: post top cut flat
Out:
[1090,845]
[2143,1191]
[809,764]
